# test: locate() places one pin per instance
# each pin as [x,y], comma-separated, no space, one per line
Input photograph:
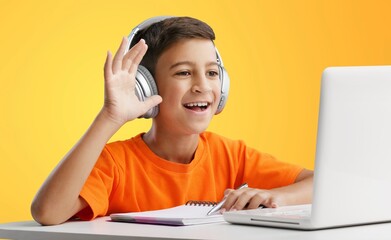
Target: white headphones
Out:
[146,85]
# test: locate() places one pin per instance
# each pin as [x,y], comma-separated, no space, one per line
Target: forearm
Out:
[298,193]
[58,198]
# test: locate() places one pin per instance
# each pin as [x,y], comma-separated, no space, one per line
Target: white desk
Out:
[102,228]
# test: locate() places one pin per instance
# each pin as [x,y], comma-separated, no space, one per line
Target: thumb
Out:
[152,101]
[227,191]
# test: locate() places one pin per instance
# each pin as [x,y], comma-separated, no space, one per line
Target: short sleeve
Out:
[264,171]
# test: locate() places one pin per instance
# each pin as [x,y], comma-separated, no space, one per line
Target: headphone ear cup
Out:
[225,82]
[145,88]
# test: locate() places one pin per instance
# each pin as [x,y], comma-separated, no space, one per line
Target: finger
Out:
[270,204]
[137,60]
[228,191]
[152,101]
[263,200]
[224,206]
[117,61]
[133,58]
[256,201]
[242,200]
[107,68]
[231,199]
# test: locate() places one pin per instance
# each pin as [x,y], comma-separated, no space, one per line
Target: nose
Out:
[201,84]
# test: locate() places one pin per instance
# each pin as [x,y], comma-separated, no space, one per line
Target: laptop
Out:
[352,174]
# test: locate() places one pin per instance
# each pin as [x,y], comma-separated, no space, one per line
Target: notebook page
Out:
[182,212]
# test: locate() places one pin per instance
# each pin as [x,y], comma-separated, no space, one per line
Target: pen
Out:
[218,206]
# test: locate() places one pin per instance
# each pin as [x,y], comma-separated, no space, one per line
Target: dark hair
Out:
[161,35]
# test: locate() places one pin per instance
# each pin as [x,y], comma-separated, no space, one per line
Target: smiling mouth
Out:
[197,106]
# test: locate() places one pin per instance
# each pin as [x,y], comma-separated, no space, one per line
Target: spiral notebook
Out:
[191,213]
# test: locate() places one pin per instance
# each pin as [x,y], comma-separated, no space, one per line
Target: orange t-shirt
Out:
[129,177]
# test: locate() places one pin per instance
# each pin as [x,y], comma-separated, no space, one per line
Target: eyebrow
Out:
[191,63]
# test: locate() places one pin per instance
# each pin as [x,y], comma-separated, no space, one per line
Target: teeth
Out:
[197,104]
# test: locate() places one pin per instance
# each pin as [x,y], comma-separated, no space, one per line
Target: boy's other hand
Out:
[250,198]
[121,103]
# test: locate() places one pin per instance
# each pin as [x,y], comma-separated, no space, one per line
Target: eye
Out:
[213,73]
[183,73]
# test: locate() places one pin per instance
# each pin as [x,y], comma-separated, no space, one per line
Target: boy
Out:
[175,161]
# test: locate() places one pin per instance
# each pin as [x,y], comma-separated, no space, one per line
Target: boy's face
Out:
[187,79]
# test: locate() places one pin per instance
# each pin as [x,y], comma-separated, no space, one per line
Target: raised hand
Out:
[121,103]
[58,199]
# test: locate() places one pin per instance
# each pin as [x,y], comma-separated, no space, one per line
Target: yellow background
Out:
[51,71]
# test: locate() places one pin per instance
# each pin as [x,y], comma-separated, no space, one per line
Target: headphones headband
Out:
[145,24]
